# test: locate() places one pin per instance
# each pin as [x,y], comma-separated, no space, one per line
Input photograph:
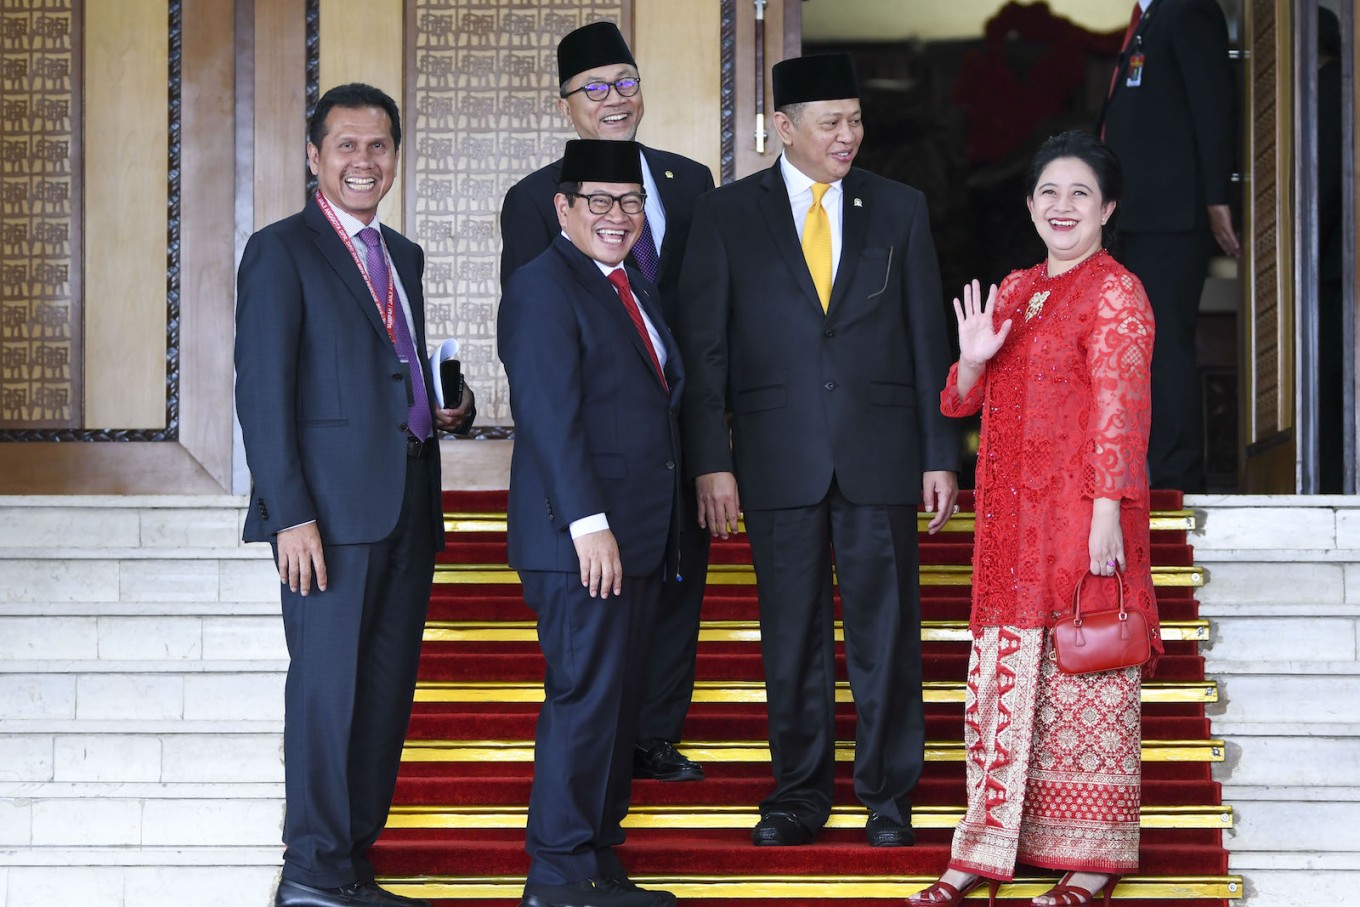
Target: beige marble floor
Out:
[475,465]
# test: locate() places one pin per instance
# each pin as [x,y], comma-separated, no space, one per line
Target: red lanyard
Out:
[387,312]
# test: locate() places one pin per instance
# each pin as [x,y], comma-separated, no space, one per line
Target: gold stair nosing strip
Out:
[1167,888]
[753,691]
[1158,520]
[649,816]
[1209,750]
[744,575]
[748,631]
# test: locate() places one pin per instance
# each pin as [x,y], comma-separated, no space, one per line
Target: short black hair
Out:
[1091,151]
[352,96]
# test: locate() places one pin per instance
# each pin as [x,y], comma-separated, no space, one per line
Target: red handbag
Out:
[1101,640]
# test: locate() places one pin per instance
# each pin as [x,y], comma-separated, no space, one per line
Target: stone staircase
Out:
[142,663]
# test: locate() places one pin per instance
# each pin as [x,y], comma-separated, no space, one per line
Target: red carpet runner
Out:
[456,834]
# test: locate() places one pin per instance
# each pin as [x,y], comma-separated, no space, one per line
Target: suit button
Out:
[829,332]
[396,376]
[670,464]
[830,385]
[401,427]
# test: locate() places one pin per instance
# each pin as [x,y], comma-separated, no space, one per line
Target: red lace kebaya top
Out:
[1065,414]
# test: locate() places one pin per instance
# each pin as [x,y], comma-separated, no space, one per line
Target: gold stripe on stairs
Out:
[747,631]
[671,816]
[745,575]
[758,751]
[747,691]
[1158,521]
[1175,889]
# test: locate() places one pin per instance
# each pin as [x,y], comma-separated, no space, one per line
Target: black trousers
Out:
[877,566]
[595,651]
[1172,267]
[354,651]
[669,684]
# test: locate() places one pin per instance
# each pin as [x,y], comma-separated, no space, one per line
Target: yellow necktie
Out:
[817,244]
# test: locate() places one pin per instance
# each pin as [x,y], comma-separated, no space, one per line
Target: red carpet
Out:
[495,849]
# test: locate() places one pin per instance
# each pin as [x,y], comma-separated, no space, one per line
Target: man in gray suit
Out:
[811,309]
[339,433]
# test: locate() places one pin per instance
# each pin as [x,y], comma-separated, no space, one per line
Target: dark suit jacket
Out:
[1175,133]
[320,392]
[529,220]
[594,431]
[855,391]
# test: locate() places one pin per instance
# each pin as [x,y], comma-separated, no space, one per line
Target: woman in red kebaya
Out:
[1057,360]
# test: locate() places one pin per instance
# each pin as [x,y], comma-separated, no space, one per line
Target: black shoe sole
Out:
[696,773]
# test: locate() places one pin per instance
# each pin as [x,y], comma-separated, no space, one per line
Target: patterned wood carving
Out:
[1265,325]
[481,113]
[40,204]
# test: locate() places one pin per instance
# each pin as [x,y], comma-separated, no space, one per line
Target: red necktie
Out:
[1124,48]
[620,281]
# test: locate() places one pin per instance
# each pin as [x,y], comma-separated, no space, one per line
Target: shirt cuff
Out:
[587,524]
[308,523]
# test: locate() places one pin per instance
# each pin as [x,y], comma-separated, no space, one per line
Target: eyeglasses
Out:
[598,91]
[603,202]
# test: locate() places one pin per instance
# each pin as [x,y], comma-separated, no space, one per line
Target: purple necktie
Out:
[644,252]
[418,421]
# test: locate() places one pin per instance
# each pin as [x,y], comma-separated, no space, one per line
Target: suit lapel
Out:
[854,224]
[652,307]
[774,205]
[332,248]
[1122,64]
[601,291]
[667,189]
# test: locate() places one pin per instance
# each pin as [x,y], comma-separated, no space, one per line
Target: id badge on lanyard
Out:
[1136,60]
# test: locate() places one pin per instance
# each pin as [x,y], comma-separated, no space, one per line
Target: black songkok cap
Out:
[821,77]
[602,161]
[596,44]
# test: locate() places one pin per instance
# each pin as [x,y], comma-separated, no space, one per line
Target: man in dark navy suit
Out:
[601,94]
[339,434]
[595,383]
[1171,116]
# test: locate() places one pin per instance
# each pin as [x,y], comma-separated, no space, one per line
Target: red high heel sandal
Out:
[1072,896]
[942,894]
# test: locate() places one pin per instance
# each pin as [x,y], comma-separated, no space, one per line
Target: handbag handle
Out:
[1076,608]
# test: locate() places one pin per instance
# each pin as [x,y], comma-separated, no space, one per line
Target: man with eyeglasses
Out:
[595,383]
[601,94]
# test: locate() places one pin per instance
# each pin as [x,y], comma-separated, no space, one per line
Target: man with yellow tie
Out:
[811,311]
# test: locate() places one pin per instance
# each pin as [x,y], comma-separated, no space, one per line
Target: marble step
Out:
[129,753]
[140,877]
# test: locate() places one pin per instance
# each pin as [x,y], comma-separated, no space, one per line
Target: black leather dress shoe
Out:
[779,829]
[359,894]
[884,832]
[380,896]
[602,892]
[295,894]
[662,761]
[658,898]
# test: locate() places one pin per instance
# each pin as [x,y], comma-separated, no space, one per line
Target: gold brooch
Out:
[1036,304]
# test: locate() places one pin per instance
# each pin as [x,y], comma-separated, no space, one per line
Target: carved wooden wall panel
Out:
[39,208]
[481,110]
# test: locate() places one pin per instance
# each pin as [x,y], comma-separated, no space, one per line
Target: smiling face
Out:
[822,138]
[1068,212]
[604,237]
[616,117]
[357,160]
